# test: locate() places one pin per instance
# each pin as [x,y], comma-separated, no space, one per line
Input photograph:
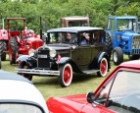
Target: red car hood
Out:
[67,104]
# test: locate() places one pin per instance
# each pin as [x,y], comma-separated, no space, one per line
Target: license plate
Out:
[42,56]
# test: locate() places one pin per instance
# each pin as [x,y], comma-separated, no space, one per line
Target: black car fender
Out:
[31,61]
[22,58]
[95,64]
[65,60]
[101,55]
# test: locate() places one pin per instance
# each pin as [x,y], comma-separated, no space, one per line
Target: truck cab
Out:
[74,21]
[124,32]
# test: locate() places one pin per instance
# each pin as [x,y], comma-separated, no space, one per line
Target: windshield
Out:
[66,37]
[127,24]
[19,108]
[78,23]
[122,94]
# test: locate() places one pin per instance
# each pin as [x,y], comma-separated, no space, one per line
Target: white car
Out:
[19,95]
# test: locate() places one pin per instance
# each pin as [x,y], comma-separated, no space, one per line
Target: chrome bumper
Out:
[37,72]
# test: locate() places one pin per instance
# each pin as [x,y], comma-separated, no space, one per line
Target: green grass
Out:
[49,86]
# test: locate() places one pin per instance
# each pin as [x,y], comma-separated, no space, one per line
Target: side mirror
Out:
[90,97]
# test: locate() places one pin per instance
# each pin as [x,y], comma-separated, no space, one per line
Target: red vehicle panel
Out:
[17,41]
[119,92]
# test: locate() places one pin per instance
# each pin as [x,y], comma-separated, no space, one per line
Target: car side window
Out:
[104,93]
[123,95]
[84,38]
[110,25]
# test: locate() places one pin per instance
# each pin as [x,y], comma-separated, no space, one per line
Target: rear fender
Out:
[96,61]
[65,60]
[102,55]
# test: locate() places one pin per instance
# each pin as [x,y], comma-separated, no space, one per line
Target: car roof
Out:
[11,76]
[122,17]
[76,18]
[74,29]
[131,64]
[15,88]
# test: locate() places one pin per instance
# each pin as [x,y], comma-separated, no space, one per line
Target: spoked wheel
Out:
[13,50]
[66,75]
[28,76]
[103,68]
[108,46]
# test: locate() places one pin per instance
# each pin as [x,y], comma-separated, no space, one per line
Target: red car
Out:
[118,93]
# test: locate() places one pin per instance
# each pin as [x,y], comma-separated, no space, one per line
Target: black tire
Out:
[103,67]
[13,50]
[133,57]
[117,56]
[3,56]
[0,61]
[28,76]
[66,75]
[3,46]
[108,46]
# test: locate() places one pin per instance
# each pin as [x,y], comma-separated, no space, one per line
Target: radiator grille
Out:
[135,44]
[43,62]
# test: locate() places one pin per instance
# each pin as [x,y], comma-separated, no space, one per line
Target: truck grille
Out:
[43,58]
[135,44]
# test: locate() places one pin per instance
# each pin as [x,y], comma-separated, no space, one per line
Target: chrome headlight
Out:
[52,53]
[31,52]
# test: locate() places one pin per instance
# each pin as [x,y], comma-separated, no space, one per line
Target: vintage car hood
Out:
[61,46]
[73,103]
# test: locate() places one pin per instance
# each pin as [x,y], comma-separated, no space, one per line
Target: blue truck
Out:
[125,36]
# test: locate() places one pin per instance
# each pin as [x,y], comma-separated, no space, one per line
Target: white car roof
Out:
[14,87]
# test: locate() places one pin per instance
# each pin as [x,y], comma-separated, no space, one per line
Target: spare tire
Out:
[108,46]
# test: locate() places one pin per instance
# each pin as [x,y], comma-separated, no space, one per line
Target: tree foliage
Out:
[52,10]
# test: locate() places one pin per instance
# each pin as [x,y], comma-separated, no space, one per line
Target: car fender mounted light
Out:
[58,58]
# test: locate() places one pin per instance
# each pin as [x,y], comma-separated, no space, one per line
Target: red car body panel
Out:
[74,104]
[78,103]
[64,104]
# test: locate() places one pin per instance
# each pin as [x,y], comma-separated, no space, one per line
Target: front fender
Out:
[65,60]
[22,58]
[26,59]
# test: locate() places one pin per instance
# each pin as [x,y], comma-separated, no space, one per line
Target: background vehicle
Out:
[18,40]
[64,55]
[3,40]
[75,21]
[19,95]
[109,97]
[125,37]
[139,26]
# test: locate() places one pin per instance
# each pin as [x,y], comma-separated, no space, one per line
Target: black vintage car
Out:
[68,51]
